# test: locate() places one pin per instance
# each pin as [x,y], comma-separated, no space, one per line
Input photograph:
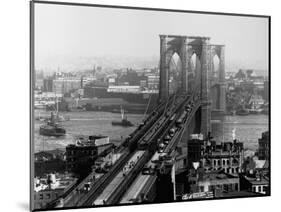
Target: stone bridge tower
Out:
[201,78]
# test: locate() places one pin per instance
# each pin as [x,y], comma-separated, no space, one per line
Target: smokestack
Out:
[81,82]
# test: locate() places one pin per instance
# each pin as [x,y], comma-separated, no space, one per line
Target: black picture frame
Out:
[32,74]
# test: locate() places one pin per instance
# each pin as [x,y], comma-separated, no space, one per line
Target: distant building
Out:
[249,73]
[124,89]
[51,188]
[240,74]
[111,81]
[131,77]
[266,90]
[227,156]
[263,150]
[65,85]
[153,82]
[48,85]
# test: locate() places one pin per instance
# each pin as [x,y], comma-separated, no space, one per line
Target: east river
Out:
[247,129]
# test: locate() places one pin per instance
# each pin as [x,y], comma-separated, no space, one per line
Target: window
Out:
[225,187]
[41,196]
[215,162]
[230,187]
[259,188]
[201,188]
[211,188]
[48,196]
[227,162]
[223,162]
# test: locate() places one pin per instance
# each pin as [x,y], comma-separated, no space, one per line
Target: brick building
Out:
[226,156]
[81,156]
[263,150]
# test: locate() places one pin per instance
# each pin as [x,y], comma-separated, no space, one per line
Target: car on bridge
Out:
[161,147]
[180,119]
[87,186]
[173,117]
[148,171]
[167,138]
[172,131]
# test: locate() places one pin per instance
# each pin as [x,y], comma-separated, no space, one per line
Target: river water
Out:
[84,123]
[247,128]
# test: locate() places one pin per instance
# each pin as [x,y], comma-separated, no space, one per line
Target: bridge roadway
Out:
[113,197]
[176,138]
[152,128]
[79,198]
[128,144]
[163,112]
[111,188]
[144,185]
[80,191]
[143,188]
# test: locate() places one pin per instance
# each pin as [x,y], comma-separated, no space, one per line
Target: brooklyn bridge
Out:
[149,156]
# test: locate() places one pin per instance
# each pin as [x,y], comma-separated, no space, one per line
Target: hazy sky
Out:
[75,31]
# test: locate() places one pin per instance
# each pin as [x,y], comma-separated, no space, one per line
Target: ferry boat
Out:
[52,128]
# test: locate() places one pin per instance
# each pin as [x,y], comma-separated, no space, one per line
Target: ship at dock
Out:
[124,121]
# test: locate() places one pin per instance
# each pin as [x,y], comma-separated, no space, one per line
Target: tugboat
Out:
[233,112]
[52,128]
[124,121]
[242,112]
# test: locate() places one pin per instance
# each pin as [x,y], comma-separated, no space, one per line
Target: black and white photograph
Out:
[134,105]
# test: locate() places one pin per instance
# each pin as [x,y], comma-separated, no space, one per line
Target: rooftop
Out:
[54,182]
[240,194]
[213,176]
[90,140]
[257,181]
